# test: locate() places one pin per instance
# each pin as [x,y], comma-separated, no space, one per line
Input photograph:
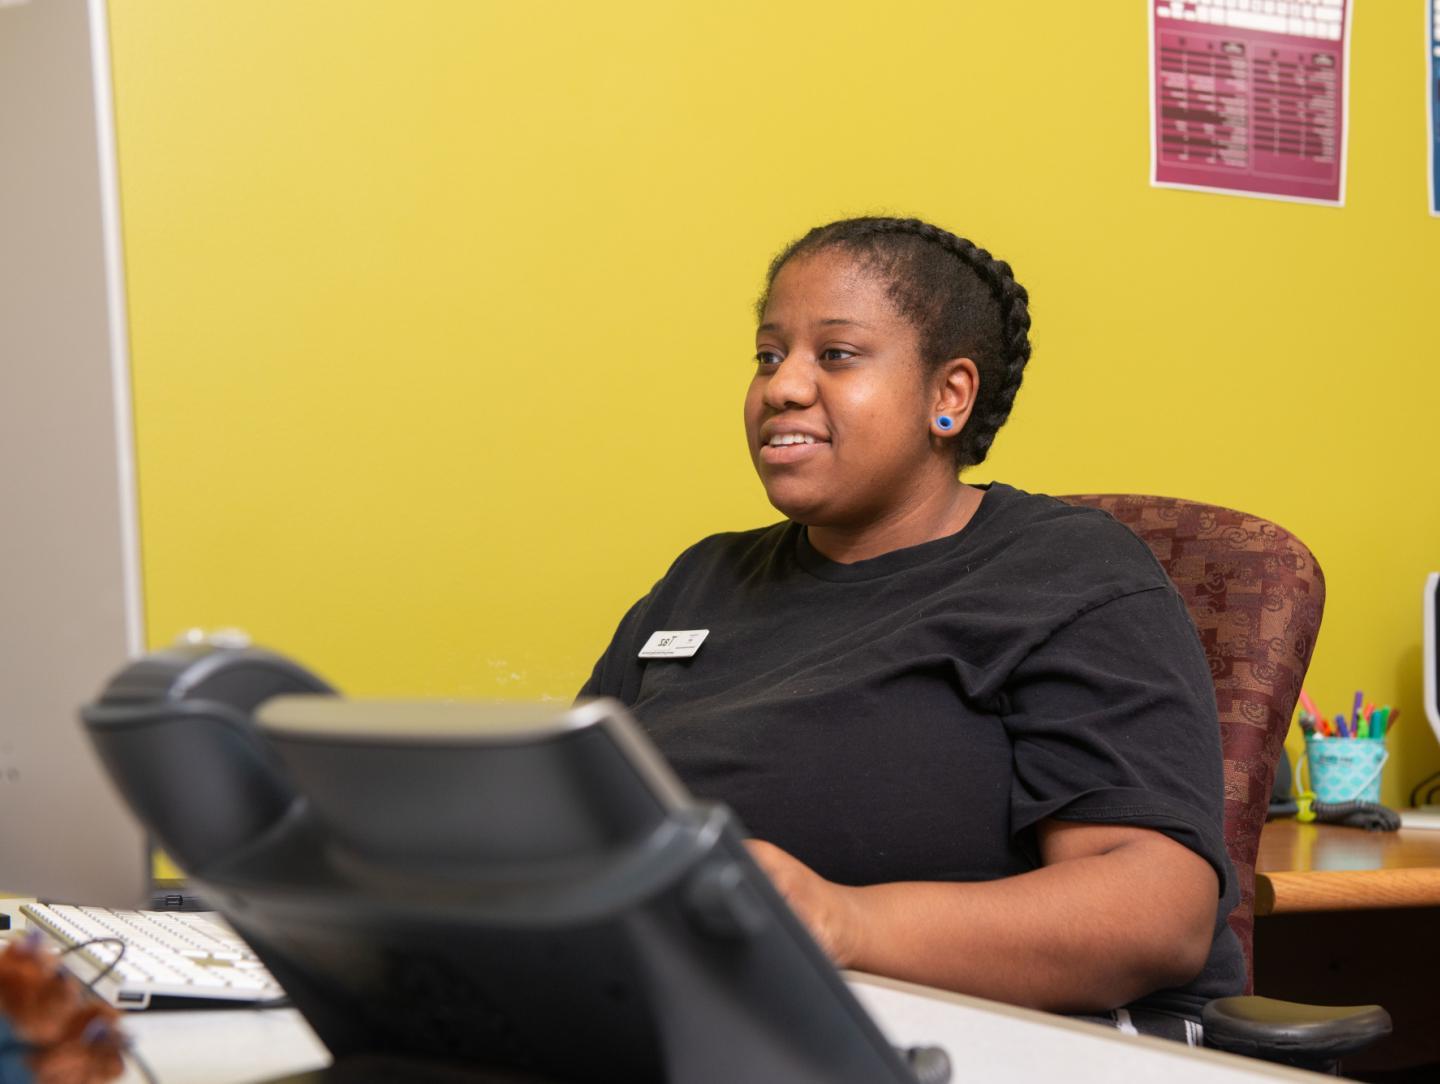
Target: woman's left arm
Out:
[1113,913]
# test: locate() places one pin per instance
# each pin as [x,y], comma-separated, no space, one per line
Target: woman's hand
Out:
[829,911]
[1114,913]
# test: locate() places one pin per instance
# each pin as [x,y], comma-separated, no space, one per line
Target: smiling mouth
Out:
[786,440]
[786,448]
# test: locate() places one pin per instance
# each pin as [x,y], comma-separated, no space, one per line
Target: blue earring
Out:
[945,422]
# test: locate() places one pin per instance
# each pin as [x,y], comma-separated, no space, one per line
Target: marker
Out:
[1377,725]
[1355,711]
[1340,726]
[1309,704]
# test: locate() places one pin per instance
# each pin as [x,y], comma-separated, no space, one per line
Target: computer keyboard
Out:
[173,957]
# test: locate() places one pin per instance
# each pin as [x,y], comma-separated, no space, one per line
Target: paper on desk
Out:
[1250,97]
[1420,818]
[1432,98]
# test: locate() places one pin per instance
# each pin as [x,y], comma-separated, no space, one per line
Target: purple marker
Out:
[1355,715]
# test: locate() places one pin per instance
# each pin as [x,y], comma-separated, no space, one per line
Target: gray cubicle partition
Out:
[70,610]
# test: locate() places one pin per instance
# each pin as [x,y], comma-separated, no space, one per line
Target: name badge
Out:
[673,645]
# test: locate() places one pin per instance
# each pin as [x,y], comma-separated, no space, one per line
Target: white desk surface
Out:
[987,1041]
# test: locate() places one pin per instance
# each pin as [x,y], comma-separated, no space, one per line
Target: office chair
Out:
[1256,595]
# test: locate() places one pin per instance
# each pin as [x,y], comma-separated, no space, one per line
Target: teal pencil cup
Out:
[1345,769]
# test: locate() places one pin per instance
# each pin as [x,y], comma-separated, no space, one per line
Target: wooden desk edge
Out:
[1279,893]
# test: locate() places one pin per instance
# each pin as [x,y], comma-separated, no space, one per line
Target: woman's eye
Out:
[834,353]
[767,357]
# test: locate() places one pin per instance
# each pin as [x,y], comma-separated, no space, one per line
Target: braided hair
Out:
[962,301]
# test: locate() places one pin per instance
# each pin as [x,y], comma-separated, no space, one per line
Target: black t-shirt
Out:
[912,716]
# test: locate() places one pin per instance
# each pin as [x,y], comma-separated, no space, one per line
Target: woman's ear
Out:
[958,382]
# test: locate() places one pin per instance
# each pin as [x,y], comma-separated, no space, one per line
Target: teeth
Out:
[782,439]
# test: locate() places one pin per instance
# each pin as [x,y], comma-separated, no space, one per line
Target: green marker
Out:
[1378,729]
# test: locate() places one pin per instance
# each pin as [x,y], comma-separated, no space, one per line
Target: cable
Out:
[1415,794]
[126,1051]
[90,986]
[1371,816]
[143,1066]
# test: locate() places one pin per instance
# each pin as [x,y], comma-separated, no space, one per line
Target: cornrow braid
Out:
[962,300]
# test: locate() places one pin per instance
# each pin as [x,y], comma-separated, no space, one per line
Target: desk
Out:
[986,1041]
[1323,867]
[989,1042]
[1346,917]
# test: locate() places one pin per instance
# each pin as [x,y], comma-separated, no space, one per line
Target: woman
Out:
[972,729]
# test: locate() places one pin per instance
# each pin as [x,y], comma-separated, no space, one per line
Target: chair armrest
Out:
[1312,1036]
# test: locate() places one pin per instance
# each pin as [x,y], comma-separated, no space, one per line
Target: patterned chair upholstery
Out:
[1256,596]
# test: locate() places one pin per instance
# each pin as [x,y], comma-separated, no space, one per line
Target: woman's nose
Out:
[792,384]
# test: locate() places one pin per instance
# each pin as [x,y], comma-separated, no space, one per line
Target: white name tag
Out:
[673,645]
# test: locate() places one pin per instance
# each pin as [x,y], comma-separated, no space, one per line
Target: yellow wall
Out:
[441,311]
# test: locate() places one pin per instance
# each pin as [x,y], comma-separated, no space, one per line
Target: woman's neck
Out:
[944,512]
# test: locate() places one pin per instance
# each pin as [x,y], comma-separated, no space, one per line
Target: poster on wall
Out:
[1432,98]
[1250,97]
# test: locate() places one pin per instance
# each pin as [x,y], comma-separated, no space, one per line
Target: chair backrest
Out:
[1256,594]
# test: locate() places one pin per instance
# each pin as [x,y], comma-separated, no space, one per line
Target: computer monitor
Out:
[482,891]
[69,577]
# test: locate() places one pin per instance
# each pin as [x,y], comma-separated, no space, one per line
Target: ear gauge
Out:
[945,423]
